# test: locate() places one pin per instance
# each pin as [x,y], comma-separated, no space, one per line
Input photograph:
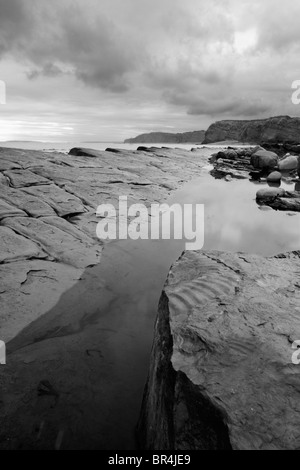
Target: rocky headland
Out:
[280,131]
[195,137]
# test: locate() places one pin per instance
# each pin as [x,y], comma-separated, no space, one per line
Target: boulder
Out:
[221,371]
[228,154]
[77,151]
[264,160]
[274,177]
[289,163]
[267,193]
[279,199]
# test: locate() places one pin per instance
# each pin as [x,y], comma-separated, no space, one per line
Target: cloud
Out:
[48,70]
[233,107]
[47,32]
[193,60]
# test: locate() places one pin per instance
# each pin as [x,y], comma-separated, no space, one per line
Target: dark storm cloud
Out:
[12,11]
[14,22]
[47,32]
[49,70]
[163,61]
[232,107]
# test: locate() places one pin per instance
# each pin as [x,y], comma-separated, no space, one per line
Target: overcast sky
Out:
[111,69]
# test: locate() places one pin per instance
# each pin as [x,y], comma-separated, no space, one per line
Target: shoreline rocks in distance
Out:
[259,164]
[193,137]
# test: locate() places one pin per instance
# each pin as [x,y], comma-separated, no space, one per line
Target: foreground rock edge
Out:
[221,373]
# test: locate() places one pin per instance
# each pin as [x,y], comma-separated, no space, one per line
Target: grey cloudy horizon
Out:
[112,69]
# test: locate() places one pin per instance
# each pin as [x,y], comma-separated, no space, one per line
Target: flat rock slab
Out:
[221,373]
[70,228]
[15,247]
[32,205]
[86,223]
[61,201]
[28,290]
[24,158]
[7,165]
[23,178]
[6,210]
[59,244]
[3,180]
[48,203]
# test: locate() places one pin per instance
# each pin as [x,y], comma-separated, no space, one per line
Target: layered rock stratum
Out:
[221,373]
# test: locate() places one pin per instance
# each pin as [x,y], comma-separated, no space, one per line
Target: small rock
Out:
[288,164]
[228,154]
[269,192]
[274,177]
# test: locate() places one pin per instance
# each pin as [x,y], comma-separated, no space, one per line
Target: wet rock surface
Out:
[233,162]
[258,164]
[72,376]
[48,205]
[279,199]
[221,373]
[66,367]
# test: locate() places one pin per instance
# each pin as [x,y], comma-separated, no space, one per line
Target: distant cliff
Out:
[280,129]
[167,138]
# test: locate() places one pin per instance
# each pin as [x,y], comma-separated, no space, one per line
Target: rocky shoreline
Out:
[262,166]
[48,220]
[226,323]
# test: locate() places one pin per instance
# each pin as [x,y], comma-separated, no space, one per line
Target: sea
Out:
[65,147]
